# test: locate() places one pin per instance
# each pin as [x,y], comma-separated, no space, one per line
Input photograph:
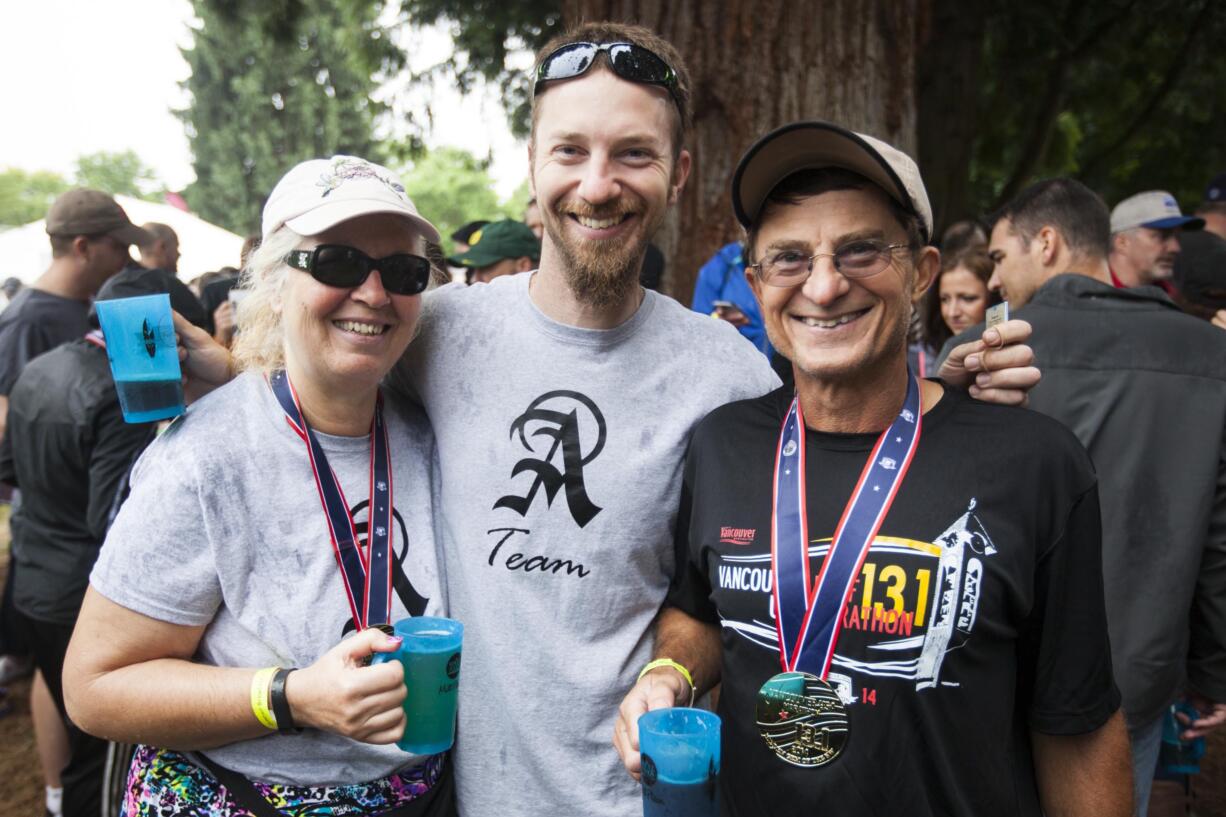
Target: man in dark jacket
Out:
[69,451]
[1144,388]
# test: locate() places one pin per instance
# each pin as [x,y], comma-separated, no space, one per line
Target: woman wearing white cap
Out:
[218,628]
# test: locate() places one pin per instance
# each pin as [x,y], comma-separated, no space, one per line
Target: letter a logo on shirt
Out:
[552,427]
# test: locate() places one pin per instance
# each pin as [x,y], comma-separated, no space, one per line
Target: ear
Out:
[755,285]
[80,246]
[927,267]
[1051,245]
[681,172]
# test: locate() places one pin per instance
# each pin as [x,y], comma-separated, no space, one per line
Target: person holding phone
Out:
[721,292]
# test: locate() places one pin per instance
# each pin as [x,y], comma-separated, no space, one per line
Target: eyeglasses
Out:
[858,259]
[337,265]
[629,61]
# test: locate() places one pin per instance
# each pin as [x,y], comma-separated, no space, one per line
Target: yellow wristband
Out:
[668,662]
[261,683]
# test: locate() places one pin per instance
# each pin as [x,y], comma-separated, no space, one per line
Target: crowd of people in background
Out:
[1062,568]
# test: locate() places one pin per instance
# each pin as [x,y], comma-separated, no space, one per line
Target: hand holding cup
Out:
[341,694]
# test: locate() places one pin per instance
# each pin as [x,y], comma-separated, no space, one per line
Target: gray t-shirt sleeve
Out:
[158,559]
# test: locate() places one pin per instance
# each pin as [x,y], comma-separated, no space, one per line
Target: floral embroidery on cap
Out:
[348,167]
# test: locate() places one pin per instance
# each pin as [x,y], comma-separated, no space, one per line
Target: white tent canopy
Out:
[26,253]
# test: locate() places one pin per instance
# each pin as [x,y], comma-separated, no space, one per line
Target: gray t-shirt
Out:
[561,453]
[224,527]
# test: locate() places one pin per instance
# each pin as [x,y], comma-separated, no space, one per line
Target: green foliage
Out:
[451,187]
[485,31]
[274,83]
[1119,94]
[26,196]
[120,174]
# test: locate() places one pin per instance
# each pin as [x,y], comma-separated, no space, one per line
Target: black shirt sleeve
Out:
[19,342]
[690,590]
[116,446]
[1064,654]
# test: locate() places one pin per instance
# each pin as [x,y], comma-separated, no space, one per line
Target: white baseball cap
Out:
[1156,209]
[320,193]
[814,145]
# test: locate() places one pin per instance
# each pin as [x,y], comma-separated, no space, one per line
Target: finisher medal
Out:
[799,715]
[802,719]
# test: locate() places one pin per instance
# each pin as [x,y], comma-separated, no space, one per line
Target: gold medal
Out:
[802,719]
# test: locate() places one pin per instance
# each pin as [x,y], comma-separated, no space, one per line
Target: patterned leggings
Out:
[163,783]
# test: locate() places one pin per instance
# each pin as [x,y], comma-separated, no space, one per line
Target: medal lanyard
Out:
[807,620]
[367,579]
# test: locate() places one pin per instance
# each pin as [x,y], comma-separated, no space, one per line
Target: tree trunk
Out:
[947,90]
[758,64]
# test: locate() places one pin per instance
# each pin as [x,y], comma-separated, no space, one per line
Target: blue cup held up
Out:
[140,343]
[430,653]
[679,748]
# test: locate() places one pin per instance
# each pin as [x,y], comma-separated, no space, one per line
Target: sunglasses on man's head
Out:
[339,266]
[629,61]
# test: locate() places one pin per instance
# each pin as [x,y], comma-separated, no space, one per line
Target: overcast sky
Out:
[81,76]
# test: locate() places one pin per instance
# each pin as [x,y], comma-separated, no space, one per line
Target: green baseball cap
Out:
[496,241]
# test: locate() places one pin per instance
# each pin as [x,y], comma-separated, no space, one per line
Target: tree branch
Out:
[1049,109]
[1053,94]
[1095,34]
[1178,63]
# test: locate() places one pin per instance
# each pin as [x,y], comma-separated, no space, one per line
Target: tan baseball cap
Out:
[1156,209]
[318,194]
[92,212]
[814,145]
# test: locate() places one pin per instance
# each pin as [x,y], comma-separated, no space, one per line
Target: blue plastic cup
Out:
[680,756]
[430,654]
[140,343]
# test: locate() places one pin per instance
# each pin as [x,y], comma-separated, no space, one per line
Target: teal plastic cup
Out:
[140,343]
[430,653]
[679,748]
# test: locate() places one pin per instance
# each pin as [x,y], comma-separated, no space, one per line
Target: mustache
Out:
[618,209]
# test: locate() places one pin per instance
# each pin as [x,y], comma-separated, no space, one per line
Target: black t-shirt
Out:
[33,323]
[977,616]
[69,451]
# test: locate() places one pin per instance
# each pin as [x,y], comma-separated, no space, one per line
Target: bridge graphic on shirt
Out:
[942,615]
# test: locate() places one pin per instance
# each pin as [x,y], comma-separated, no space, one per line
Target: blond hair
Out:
[260,345]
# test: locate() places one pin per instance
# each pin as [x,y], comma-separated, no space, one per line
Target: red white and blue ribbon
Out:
[367,578]
[808,615]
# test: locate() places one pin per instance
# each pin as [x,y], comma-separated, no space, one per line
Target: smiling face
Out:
[834,328]
[604,174]
[342,341]
[963,298]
